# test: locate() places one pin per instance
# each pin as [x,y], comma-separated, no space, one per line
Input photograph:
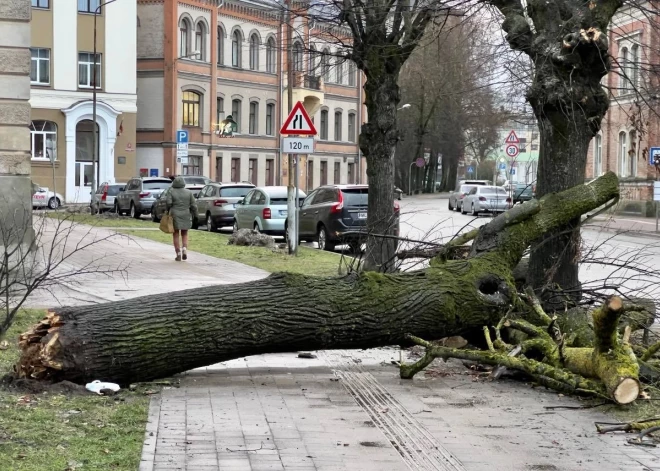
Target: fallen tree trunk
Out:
[156,336]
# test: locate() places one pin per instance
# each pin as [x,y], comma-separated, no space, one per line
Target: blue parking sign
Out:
[470,169]
[502,166]
[513,171]
[654,156]
[181,137]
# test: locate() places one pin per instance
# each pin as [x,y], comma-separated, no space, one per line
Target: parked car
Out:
[196,180]
[217,203]
[140,194]
[42,197]
[482,199]
[398,192]
[104,198]
[337,214]
[456,197]
[522,192]
[264,209]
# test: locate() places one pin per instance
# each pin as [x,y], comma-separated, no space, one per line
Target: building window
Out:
[339,66]
[337,173]
[325,65]
[221,46]
[236,41]
[254,52]
[191,103]
[624,66]
[598,155]
[351,174]
[324,173]
[311,66]
[324,124]
[218,169]
[253,171]
[235,170]
[270,172]
[297,57]
[351,73]
[220,110]
[634,66]
[236,113]
[199,42]
[193,167]
[40,3]
[632,154]
[270,114]
[623,154]
[86,69]
[184,37]
[253,124]
[351,127]
[87,6]
[271,56]
[310,175]
[337,125]
[40,66]
[43,135]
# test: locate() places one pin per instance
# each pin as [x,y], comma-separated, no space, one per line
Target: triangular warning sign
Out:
[298,122]
[512,138]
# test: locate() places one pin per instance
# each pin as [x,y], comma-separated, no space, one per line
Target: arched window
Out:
[43,139]
[623,154]
[632,154]
[199,42]
[351,73]
[311,67]
[598,155]
[184,37]
[221,46]
[297,57]
[191,103]
[634,66]
[624,65]
[254,52]
[339,66]
[325,65]
[271,56]
[236,40]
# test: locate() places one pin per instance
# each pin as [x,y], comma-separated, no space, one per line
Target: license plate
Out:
[362,215]
[234,205]
[283,213]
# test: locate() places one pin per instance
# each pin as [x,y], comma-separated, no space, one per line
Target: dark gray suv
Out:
[337,214]
[140,195]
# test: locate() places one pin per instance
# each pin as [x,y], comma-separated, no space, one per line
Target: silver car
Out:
[104,198]
[264,209]
[216,203]
[486,199]
[457,196]
[140,194]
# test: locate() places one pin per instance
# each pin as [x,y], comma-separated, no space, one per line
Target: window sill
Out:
[43,163]
[39,84]
[90,89]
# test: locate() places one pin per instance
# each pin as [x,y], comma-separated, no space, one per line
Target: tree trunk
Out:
[155,336]
[449,172]
[378,143]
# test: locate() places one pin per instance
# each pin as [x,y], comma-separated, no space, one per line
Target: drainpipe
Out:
[359,118]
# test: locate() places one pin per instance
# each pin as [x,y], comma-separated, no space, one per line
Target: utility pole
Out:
[292,204]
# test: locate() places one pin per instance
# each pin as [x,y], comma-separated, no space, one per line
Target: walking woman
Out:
[181,205]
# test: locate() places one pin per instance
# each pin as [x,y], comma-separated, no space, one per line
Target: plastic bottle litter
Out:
[97,386]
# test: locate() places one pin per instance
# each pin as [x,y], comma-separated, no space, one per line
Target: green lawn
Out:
[55,432]
[104,220]
[309,261]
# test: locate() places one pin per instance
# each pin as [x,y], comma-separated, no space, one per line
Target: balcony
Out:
[310,90]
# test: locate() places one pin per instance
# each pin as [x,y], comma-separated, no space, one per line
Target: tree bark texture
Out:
[156,336]
[567,42]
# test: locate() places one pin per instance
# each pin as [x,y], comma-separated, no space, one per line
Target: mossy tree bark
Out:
[155,336]
[567,42]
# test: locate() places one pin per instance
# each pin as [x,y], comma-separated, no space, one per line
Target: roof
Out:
[347,187]
[248,184]
[279,191]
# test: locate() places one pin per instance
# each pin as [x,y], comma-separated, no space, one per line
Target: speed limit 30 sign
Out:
[512,150]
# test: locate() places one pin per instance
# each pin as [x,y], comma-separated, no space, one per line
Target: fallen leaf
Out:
[4,345]
[106,451]
[644,395]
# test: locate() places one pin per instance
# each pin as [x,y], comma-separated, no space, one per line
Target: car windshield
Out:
[356,196]
[113,190]
[156,184]
[493,191]
[195,180]
[466,188]
[235,191]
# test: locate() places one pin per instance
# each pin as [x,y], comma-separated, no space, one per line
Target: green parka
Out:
[181,205]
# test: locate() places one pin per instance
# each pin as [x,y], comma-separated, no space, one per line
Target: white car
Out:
[43,197]
[486,199]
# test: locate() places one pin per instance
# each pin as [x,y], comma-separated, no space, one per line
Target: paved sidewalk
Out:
[629,224]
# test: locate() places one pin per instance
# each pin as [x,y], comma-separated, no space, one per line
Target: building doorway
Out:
[85,166]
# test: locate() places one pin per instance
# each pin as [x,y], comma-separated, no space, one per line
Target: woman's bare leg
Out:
[177,245]
[184,239]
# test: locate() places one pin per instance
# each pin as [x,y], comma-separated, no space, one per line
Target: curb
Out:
[646,234]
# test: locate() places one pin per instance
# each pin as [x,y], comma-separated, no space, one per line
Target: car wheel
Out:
[118,210]
[461,210]
[195,223]
[54,203]
[323,239]
[256,227]
[474,213]
[451,208]
[235,227]
[134,212]
[210,225]
[154,218]
[355,246]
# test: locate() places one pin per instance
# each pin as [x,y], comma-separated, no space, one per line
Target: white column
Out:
[120,57]
[70,194]
[65,45]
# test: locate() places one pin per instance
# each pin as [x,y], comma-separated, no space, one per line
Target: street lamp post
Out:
[95,143]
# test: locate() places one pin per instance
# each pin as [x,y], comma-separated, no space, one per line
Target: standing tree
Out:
[567,43]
